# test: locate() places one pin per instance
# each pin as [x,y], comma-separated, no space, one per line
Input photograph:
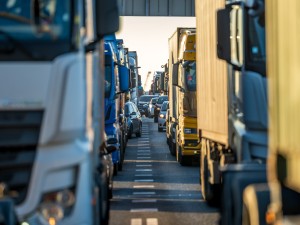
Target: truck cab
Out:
[51,122]
[184,77]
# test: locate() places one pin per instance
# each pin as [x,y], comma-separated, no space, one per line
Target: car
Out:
[144,99]
[157,106]
[134,120]
[161,125]
[151,107]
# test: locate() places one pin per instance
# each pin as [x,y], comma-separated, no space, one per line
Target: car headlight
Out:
[161,115]
[158,109]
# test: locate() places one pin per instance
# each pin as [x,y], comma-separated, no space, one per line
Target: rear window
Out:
[145,98]
[162,99]
[154,100]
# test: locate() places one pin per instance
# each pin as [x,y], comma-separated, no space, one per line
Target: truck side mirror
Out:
[223,34]
[124,78]
[175,74]
[107,17]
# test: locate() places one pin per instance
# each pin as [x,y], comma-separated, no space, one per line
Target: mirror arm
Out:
[91,46]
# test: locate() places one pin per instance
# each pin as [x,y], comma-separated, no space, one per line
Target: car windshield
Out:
[164,106]
[146,98]
[161,99]
[22,39]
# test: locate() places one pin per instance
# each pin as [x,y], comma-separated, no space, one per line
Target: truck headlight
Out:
[56,205]
[161,115]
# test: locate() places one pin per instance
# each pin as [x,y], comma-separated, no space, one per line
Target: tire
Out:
[139,133]
[116,168]
[160,129]
[129,135]
[172,148]
[210,193]
[104,204]
[183,160]
[155,119]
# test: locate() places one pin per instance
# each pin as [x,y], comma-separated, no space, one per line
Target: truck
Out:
[277,201]
[51,101]
[232,101]
[116,84]
[133,63]
[183,138]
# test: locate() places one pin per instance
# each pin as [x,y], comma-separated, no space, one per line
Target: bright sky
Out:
[149,37]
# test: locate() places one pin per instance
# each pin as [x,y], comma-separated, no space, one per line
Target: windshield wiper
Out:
[14,44]
[14,17]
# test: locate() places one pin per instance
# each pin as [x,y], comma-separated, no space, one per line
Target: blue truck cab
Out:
[116,83]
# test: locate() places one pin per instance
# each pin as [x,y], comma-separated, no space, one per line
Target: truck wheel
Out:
[130,132]
[172,148]
[139,133]
[210,192]
[104,204]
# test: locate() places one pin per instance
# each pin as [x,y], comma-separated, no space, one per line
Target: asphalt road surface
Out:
[154,189]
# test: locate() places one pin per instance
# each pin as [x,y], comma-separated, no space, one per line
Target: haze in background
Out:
[149,37]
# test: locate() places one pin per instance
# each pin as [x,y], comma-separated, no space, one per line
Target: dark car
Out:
[134,120]
[144,99]
[157,106]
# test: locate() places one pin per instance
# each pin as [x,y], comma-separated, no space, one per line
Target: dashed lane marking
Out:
[143,165]
[144,193]
[144,210]
[144,201]
[136,221]
[144,180]
[152,221]
[143,175]
[143,186]
[143,170]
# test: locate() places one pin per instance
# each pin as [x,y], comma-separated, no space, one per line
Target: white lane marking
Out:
[143,186]
[143,170]
[143,157]
[143,151]
[143,175]
[152,221]
[136,221]
[144,201]
[144,193]
[144,210]
[139,141]
[144,154]
[144,180]
[144,147]
[143,165]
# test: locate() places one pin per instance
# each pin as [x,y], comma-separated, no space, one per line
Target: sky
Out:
[149,37]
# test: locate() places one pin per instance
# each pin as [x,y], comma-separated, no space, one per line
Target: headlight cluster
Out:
[161,115]
[56,205]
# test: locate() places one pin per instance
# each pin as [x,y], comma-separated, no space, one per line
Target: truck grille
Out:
[19,134]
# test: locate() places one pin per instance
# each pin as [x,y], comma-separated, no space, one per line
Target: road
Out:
[153,189]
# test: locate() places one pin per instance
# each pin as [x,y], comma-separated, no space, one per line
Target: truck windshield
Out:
[190,76]
[108,76]
[21,39]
